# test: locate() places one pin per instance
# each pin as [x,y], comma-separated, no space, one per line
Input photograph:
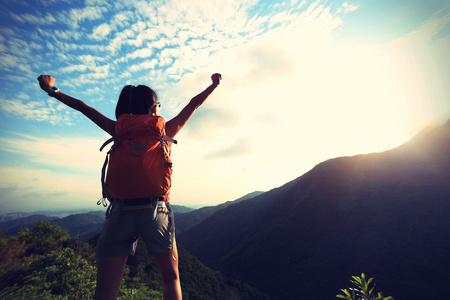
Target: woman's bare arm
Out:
[174,125]
[105,123]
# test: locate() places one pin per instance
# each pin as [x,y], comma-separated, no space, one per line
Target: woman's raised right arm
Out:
[105,123]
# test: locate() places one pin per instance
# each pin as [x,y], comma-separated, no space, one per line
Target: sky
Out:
[302,82]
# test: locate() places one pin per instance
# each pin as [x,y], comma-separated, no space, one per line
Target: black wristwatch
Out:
[52,91]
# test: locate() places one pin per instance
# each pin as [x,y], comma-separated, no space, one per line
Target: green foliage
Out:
[46,263]
[44,237]
[57,275]
[10,250]
[139,292]
[362,290]
[198,282]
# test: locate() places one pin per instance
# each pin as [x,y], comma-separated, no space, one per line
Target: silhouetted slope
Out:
[385,214]
[187,220]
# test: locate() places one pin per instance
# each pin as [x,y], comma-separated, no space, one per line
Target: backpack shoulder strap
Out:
[105,164]
[107,142]
[168,139]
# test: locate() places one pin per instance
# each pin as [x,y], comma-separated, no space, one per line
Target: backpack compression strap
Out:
[163,141]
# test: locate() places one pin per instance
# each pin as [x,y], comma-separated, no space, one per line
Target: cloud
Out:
[68,35]
[74,154]
[101,72]
[242,147]
[73,68]
[8,61]
[50,3]
[101,31]
[291,86]
[144,65]
[54,171]
[208,120]
[37,19]
[141,53]
[90,60]
[349,7]
[268,118]
[76,15]
[269,60]
[34,111]
[299,97]
[25,189]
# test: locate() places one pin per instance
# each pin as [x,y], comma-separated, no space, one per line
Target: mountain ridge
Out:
[76,223]
[187,220]
[345,216]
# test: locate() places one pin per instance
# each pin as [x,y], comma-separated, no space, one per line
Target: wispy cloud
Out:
[25,189]
[36,111]
[37,19]
[74,16]
[57,152]
[291,87]
[240,148]
[349,7]
[141,53]
[144,65]
[74,68]
[9,61]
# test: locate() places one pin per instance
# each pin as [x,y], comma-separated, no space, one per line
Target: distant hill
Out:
[86,225]
[180,209]
[83,225]
[49,213]
[187,220]
[11,227]
[385,214]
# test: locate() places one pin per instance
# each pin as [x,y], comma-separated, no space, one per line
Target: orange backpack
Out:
[139,160]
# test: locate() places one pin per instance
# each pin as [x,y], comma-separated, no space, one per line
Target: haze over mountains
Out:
[385,214]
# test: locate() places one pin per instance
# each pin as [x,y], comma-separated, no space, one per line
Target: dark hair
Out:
[136,100]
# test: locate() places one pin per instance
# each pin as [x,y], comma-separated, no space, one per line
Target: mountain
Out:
[187,220]
[84,225]
[48,213]
[385,214]
[180,209]
[13,226]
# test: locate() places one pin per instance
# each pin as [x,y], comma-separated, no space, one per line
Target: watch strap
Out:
[52,91]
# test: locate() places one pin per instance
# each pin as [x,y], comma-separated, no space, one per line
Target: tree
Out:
[59,274]
[44,238]
[46,263]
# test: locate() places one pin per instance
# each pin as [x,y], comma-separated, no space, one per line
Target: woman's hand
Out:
[216,77]
[46,82]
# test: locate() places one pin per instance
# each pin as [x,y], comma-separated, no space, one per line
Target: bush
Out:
[46,263]
[362,290]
